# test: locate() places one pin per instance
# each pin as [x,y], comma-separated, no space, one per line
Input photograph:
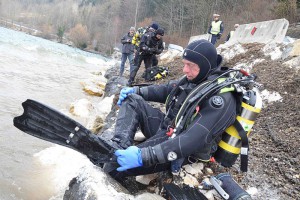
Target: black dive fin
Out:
[48,124]
[174,192]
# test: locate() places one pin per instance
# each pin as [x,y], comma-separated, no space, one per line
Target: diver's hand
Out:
[124,93]
[129,158]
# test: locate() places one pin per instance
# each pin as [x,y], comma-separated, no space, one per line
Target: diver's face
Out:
[190,69]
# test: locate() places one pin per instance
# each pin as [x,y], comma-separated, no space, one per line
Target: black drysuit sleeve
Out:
[157,93]
[199,136]
[160,48]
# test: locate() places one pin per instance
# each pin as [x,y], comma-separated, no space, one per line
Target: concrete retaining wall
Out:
[265,32]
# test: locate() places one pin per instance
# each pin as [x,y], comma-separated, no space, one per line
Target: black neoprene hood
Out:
[204,54]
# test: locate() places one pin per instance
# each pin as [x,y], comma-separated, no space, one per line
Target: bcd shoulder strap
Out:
[245,145]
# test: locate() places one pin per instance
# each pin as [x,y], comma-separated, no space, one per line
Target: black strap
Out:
[245,145]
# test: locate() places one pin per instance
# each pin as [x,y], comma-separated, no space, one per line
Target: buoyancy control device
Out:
[235,138]
[156,72]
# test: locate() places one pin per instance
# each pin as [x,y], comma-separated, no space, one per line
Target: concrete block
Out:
[272,31]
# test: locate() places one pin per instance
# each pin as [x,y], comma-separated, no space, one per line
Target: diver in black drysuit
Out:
[150,46]
[200,137]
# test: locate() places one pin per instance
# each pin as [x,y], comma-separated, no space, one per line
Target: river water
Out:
[34,68]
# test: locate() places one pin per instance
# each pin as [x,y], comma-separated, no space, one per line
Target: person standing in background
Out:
[151,45]
[216,29]
[127,50]
[232,32]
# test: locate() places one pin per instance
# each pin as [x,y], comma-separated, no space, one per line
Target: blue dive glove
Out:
[129,158]
[124,93]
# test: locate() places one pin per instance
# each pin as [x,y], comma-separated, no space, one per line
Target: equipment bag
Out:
[155,73]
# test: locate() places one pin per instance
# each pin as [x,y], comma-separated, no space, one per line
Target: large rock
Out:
[169,56]
[190,180]
[93,183]
[112,71]
[149,196]
[146,179]
[296,49]
[81,108]
[229,53]
[295,62]
[200,37]
[94,85]
[114,85]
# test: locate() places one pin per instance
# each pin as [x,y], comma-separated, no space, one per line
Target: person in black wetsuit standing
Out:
[197,138]
[151,45]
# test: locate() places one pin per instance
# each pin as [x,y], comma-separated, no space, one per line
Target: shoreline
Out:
[17,26]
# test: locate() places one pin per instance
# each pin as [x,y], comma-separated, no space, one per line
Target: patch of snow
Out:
[270,96]
[231,52]
[288,40]
[248,66]
[273,51]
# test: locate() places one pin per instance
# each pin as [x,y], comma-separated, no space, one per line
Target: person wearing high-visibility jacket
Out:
[231,32]
[137,36]
[216,29]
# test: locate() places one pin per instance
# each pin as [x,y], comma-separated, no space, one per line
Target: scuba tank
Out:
[235,138]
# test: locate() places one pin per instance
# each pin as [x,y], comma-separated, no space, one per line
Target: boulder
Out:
[296,49]
[146,179]
[81,108]
[114,85]
[93,183]
[190,180]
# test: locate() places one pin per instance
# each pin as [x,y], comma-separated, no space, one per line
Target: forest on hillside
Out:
[99,24]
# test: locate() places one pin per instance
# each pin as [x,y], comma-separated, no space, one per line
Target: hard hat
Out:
[216,15]
[236,25]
